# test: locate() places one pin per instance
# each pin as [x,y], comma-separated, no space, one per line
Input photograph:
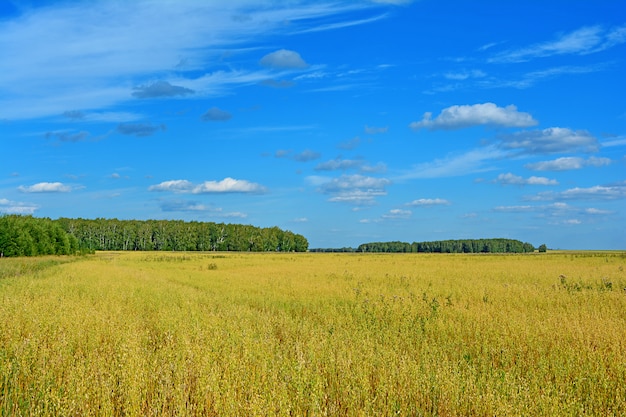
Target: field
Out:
[257,334]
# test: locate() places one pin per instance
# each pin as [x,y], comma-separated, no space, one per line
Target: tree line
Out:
[27,235]
[450,246]
[30,236]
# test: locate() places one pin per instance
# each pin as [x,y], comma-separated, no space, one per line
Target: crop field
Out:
[264,334]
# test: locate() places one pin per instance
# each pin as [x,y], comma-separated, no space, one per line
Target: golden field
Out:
[260,334]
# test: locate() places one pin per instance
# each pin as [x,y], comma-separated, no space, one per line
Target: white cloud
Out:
[46,187]
[397,214]
[90,50]
[514,209]
[596,192]
[456,165]
[283,59]
[378,168]
[511,179]
[352,189]
[350,23]
[595,211]
[360,165]
[464,75]
[559,213]
[235,214]
[357,197]
[227,185]
[529,79]
[175,186]
[16,207]
[180,205]
[339,165]
[568,163]
[583,41]
[428,202]
[551,140]
[486,114]
[618,141]
[194,206]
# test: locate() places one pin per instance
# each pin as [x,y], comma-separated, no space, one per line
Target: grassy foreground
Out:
[241,334]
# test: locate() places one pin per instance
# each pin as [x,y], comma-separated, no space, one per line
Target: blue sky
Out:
[345,121]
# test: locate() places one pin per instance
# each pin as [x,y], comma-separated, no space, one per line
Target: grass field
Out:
[244,334]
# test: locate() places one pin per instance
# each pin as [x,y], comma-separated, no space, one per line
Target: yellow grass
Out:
[233,334]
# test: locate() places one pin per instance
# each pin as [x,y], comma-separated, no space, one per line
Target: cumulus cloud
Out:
[227,185]
[568,163]
[396,214]
[486,114]
[283,59]
[175,186]
[16,207]
[511,179]
[353,189]
[46,187]
[583,41]
[596,192]
[428,202]
[550,140]
[339,165]
[160,89]
[138,129]
[557,213]
[215,114]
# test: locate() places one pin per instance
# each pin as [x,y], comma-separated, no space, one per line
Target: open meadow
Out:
[259,334]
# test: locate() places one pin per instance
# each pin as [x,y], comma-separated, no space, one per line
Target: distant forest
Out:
[451,246]
[31,236]
[442,246]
